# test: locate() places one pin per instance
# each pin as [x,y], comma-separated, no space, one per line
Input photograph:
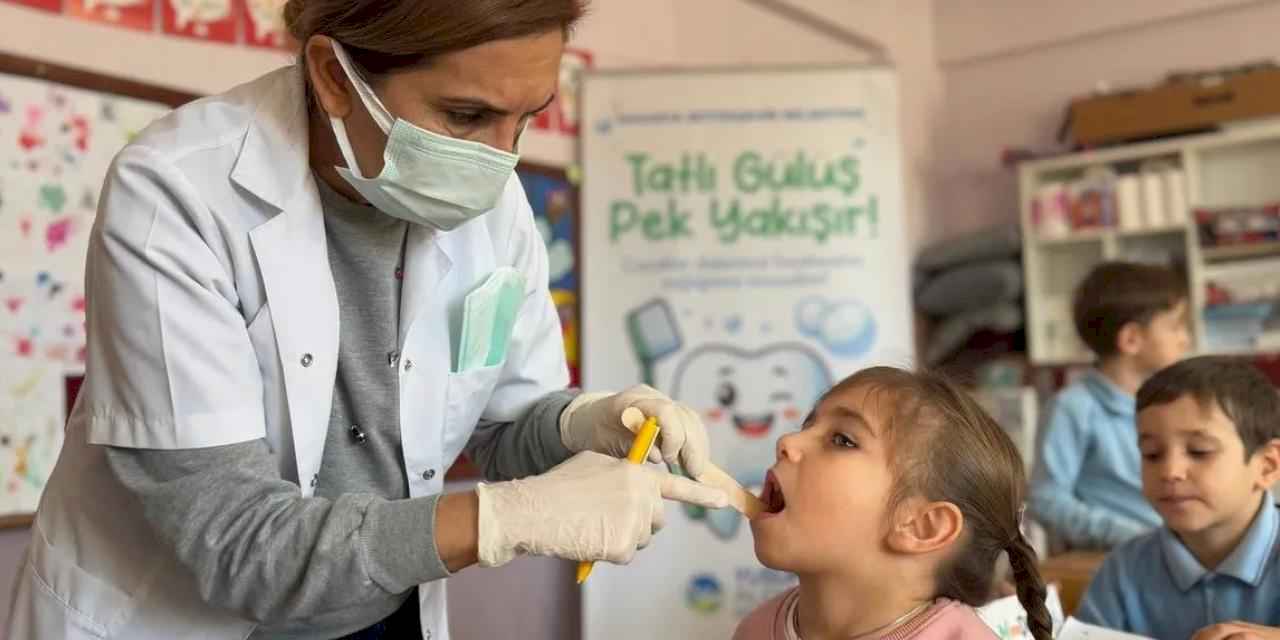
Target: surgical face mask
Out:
[426,178]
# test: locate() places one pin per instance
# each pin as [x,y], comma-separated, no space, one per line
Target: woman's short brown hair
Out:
[383,35]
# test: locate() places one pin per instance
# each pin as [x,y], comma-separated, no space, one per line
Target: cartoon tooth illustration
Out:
[747,399]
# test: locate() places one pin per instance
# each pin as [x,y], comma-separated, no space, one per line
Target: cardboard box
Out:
[1184,105]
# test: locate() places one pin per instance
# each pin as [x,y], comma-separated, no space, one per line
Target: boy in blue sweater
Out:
[1087,487]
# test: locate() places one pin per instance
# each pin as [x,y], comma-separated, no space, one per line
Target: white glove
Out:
[593,422]
[591,507]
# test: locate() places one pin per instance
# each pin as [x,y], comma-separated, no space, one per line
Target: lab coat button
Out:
[315,480]
[307,359]
[408,364]
[428,474]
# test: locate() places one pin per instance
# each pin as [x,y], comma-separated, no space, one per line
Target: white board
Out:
[743,248]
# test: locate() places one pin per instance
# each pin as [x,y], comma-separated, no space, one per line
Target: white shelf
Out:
[1095,235]
[1075,237]
[1237,352]
[1260,267]
[1152,231]
[1232,166]
[1226,255]
[1264,130]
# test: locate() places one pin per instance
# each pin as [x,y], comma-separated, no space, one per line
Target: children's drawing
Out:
[197,11]
[265,27]
[134,14]
[64,139]
[747,399]
[213,20]
[40,320]
[31,419]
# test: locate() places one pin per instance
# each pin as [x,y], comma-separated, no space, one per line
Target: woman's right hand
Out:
[591,507]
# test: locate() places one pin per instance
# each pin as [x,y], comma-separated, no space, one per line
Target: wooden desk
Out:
[1072,572]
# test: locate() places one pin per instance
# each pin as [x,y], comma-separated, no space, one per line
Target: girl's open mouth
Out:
[772,495]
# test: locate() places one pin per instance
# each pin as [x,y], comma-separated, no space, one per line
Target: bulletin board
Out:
[59,130]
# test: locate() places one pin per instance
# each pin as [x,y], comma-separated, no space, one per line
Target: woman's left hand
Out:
[1238,631]
[593,422]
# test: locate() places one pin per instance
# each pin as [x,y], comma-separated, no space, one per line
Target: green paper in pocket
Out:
[488,317]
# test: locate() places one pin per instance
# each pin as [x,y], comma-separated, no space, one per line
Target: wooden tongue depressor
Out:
[740,499]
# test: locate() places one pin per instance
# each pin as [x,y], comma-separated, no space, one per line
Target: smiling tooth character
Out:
[747,399]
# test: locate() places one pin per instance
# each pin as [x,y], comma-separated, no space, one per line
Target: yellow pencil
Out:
[640,447]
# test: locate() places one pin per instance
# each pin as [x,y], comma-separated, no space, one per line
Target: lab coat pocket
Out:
[466,397]
[90,604]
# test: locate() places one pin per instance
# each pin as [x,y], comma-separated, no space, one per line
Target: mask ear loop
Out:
[371,104]
[344,143]
[370,99]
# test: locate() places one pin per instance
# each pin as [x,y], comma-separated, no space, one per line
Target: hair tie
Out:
[1018,534]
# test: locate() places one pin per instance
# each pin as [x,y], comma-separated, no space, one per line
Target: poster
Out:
[59,141]
[31,419]
[555,201]
[743,248]
[213,20]
[264,23]
[132,14]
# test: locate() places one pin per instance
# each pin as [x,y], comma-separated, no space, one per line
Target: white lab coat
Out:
[213,319]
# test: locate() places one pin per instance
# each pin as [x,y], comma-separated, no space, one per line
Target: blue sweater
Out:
[1087,487]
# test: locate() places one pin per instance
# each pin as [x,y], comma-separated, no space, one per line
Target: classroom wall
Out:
[906,29]
[1009,68]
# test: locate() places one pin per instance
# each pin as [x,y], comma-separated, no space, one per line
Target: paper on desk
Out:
[1008,620]
[1076,630]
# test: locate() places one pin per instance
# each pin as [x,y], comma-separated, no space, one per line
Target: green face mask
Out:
[426,178]
[488,316]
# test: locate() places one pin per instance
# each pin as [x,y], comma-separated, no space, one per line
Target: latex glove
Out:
[593,422]
[1238,631]
[591,507]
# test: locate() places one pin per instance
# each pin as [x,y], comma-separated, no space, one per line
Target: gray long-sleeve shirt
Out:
[348,557]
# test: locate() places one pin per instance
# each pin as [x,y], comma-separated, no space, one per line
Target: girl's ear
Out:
[924,527]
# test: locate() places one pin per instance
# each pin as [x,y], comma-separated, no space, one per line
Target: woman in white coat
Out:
[306,297]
